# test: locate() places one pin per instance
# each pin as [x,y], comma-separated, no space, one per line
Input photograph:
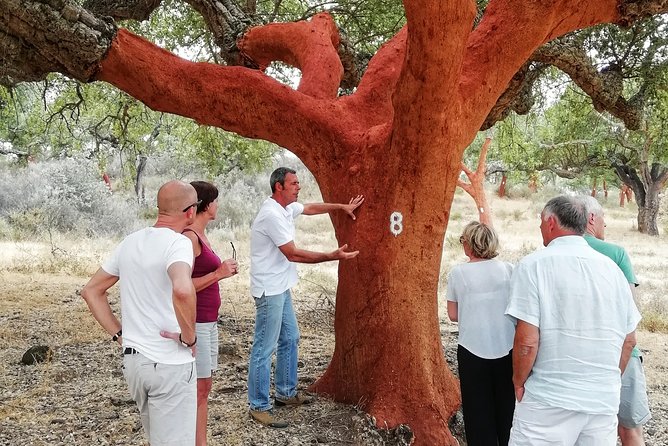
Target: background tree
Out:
[476,183]
[398,139]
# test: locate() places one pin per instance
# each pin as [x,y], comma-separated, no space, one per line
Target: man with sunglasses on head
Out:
[157,331]
[273,273]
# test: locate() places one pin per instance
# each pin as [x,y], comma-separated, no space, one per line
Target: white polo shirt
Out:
[271,272]
[581,303]
[140,262]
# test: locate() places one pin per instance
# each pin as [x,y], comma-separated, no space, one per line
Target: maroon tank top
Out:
[208,299]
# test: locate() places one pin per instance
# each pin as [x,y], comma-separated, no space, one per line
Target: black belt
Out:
[130,351]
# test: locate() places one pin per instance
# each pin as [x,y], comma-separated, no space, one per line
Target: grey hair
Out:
[278,176]
[569,211]
[591,205]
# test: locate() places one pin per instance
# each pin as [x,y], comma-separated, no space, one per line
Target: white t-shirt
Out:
[582,304]
[140,262]
[271,272]
[481,290]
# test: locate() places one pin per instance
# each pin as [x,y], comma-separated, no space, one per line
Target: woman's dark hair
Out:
[206,192]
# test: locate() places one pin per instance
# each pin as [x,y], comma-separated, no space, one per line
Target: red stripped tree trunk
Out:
[476,185]
[502,187]
[533,183]
[623,194]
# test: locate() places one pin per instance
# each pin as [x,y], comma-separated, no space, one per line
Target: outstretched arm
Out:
[294,254]
[97,299]
[323,208]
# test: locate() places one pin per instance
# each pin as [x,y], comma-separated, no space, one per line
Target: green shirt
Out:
[616,253]
[621,258]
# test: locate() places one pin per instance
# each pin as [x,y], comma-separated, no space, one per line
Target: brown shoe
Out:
[296,400]
[267,418]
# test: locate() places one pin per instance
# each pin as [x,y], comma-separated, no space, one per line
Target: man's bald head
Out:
[174,196]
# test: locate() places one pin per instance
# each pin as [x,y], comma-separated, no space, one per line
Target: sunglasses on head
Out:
[197,203]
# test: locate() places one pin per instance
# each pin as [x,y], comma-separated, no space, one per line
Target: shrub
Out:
[240,196]
[66,195]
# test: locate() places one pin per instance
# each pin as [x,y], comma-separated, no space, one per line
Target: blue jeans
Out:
[275,330]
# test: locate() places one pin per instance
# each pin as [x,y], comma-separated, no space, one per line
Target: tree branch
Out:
[604,88]
[518,97]
[310,46]
[123,9]
[510,31]
[236,99]
[10,151]
[373,98]
[228,22]
[426,89]
[40,38]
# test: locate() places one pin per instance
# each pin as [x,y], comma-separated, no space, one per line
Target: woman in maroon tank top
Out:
[207,271]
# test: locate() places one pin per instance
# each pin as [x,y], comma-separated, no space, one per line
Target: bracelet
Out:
[117,335]
[185,344]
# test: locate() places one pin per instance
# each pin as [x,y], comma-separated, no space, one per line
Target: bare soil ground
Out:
[79,397]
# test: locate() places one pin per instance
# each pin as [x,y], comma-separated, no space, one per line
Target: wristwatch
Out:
[185,344]
[117,335]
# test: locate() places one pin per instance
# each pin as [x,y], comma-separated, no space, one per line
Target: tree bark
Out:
[140,190]
[648,213]
[646,187]
[398,139]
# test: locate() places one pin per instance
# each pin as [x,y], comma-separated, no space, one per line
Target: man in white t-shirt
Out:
[273,272]
[576,323]
[158,317]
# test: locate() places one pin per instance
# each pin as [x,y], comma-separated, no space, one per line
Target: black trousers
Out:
[488,398]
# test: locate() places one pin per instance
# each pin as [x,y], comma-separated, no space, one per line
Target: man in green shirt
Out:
[634,406]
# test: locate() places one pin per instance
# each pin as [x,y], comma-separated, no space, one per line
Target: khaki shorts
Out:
[633,404]
[207,348]
[166,396]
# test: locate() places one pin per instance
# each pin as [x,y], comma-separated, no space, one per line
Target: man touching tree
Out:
[273,273]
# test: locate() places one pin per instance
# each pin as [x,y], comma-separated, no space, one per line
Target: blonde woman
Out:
[477,295]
